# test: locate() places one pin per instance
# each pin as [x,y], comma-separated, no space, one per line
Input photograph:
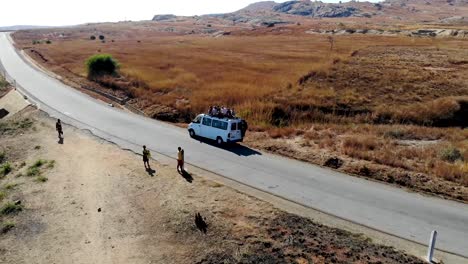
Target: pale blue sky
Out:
[70,12]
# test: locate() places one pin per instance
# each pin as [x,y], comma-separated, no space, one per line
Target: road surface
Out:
[379,206]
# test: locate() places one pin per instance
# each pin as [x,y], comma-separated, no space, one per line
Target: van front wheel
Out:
[219,141]
[192,133]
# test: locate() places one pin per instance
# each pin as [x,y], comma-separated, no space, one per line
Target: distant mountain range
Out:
[269,12]
[21,27]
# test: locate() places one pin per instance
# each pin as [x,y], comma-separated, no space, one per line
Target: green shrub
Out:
[2,157]
[5,169]
[33,171]
[39,163]
[7,226]
[41,179]
[48,42]
[451,154]
[10,186]
[10,208]
[3,83]
[101,64]
[51,164]
[2,195]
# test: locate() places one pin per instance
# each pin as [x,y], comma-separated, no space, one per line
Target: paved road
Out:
[392,210]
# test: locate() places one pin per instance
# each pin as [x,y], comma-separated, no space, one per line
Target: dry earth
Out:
[99,205]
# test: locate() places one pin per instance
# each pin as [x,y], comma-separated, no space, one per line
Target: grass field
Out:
[367,99]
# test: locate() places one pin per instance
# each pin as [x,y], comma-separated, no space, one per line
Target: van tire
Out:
[192,133]
[219,141]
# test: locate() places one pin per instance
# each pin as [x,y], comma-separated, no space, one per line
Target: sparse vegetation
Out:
[38,163]
[35,168]
[10,186]
[2,195]
[10,127]
[41,179]
[7,226]
[101,64]
[51,164]
[2,157]
[33,171]
[5,169]
[3,83]
[10,208]
[451,154]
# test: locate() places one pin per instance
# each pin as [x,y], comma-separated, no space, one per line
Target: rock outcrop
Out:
[316,9]
[441,33]
[164,17]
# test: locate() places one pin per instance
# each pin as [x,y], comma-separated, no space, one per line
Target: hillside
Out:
[389,10]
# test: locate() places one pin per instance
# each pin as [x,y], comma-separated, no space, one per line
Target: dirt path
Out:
[89,175]
[147,219]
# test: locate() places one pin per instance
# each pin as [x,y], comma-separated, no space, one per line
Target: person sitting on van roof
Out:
[214,111]
[224,111]
[210,110]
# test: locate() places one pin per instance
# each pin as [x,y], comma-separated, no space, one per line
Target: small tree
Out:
[101,37]
[101,64]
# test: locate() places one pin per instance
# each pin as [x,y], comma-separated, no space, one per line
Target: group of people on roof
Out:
[221,112]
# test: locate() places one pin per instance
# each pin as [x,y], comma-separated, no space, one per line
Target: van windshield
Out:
[197,120]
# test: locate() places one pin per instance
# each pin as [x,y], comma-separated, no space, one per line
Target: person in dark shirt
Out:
[244,127]
[146,156]
[58,127]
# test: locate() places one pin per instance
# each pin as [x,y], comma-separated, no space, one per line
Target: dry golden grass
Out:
[292,85]
[253,74]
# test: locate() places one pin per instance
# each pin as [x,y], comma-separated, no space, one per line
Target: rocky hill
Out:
[316,9]
[423,10]
[270,13]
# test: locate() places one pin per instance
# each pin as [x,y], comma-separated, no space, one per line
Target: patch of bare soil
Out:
[97,204]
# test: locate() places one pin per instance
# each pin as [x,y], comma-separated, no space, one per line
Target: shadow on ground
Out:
[235,148]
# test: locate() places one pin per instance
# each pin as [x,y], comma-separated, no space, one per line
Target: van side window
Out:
[224,125]
[207,121]
[220,124]
[233,126]
[216,124]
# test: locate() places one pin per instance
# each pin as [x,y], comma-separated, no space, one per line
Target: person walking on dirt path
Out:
[58,127]
[146,156]
[180,160]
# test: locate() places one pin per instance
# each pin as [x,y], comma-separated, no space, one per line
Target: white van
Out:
[223,130]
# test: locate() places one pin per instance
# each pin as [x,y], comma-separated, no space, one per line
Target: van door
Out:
[235,131]
[206,129]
